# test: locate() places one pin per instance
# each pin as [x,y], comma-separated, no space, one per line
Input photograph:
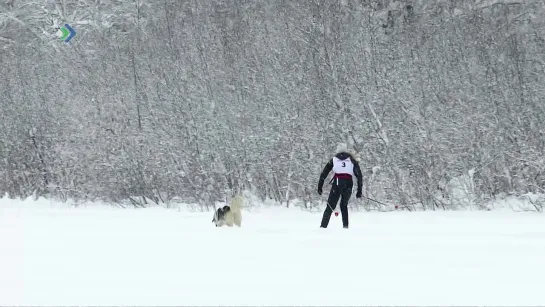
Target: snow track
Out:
[106,256]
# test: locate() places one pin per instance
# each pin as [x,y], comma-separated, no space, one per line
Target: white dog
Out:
[229,215]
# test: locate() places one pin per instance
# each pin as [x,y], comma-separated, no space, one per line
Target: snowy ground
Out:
[107,256]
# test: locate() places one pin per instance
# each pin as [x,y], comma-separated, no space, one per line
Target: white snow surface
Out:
[98,255]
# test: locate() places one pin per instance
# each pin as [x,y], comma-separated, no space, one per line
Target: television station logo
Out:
[66,33]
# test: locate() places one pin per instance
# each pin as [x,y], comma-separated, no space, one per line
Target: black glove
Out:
[358,195]
[319,190]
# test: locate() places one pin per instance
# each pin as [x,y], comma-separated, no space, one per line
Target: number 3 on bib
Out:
[343,166]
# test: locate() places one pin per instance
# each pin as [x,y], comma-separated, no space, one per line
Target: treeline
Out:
[200,99]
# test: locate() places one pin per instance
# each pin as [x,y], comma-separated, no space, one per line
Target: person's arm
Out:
[359,176]
[328,167]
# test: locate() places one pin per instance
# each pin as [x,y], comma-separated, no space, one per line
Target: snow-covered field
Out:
[108,256]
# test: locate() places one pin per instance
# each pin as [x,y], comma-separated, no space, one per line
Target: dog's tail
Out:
[236,205]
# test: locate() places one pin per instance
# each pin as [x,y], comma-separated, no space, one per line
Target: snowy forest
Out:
[157,100]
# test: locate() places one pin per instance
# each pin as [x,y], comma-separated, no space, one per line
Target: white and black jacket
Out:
[345,167]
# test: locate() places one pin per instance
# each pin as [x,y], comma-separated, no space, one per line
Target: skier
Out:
[344,166]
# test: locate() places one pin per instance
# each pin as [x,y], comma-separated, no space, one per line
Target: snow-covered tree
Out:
[158,99]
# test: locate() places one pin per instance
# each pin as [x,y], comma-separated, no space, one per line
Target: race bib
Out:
[343,166]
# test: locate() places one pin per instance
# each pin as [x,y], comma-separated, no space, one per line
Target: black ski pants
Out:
[341,188]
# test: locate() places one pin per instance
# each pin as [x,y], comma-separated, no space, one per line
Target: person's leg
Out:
[334,195]
[346,192]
